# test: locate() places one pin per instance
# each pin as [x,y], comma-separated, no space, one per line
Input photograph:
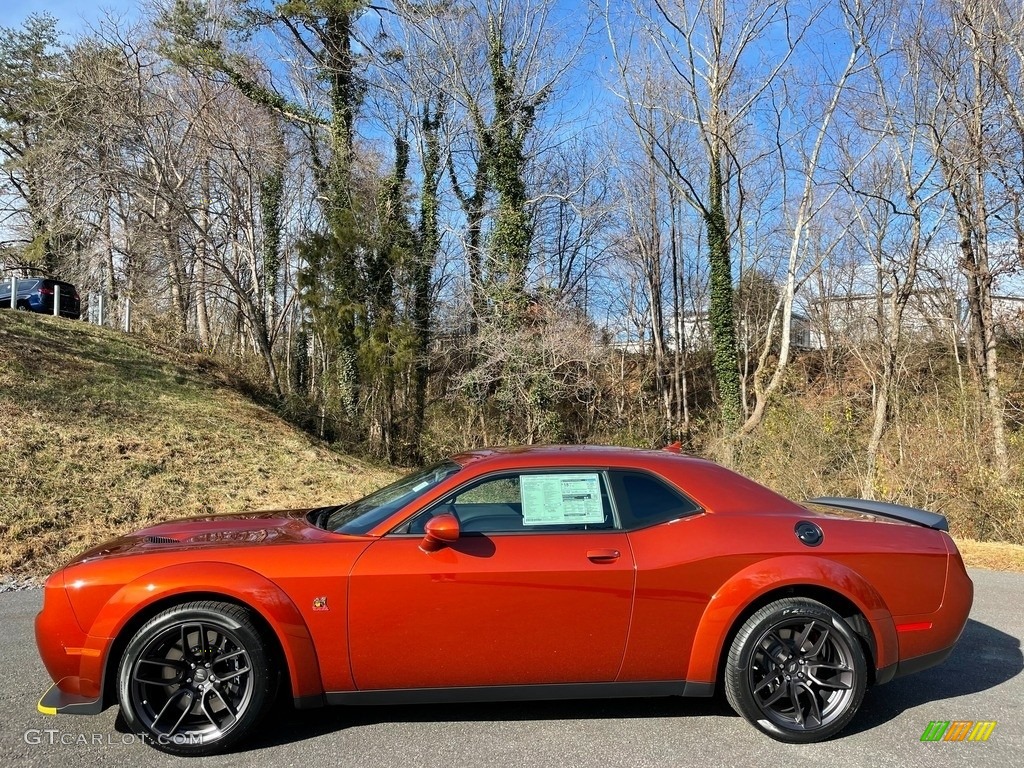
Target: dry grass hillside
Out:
[101,434]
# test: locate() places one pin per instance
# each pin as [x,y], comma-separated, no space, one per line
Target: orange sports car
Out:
[518,573]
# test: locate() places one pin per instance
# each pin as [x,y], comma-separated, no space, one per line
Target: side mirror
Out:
[439,531]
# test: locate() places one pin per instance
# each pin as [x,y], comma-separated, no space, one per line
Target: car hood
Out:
[247,529]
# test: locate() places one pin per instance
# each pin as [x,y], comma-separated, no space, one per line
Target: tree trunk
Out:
[720,316]
[428,243]
[879,425]
[202,310]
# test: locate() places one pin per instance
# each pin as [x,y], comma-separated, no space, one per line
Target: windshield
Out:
[23,285]
[361,516]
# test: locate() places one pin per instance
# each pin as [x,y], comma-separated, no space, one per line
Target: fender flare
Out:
[234,582]
[759,579]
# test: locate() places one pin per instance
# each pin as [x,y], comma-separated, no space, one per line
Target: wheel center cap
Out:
[791,667]
[200,675]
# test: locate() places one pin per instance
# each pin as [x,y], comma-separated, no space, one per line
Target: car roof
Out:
[711,485]
[554,455]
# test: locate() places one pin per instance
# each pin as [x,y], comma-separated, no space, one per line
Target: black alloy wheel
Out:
[796,671]
[195,679]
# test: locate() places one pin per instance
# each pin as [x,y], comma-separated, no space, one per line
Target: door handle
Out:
[603,555]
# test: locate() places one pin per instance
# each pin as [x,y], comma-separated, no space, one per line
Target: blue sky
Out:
[72,14]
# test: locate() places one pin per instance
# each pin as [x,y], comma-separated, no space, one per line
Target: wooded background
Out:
[786,234]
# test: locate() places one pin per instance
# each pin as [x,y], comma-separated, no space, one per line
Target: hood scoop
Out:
[160,540]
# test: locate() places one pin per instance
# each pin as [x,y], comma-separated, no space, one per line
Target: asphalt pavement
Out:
[981,681]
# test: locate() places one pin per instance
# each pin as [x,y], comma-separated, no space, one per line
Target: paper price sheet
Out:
[560,499]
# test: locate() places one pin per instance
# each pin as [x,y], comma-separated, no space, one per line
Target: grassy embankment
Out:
[101,434]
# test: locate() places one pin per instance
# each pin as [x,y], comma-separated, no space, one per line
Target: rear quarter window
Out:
[645,500]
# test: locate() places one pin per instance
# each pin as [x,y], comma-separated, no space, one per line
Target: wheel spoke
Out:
[204,646]
[174,697]
[160,664]
[832,685]
[774,676]
[816,648]
[231,671]
[224,700]
[781,649]
[204,705]
[814,708]
[184,713]
[230,655]
[777,694]
[833,681]
[794,697]
[186,646]
[798,646]
[206,711]
[232,675]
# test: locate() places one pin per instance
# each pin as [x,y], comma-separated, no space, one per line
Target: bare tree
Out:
[706,50]
[861,21]
[497,63]
[899,219]
[962,61]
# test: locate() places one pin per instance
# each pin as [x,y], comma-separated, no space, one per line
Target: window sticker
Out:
[561,499]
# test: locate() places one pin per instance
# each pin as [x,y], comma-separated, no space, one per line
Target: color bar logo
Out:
[958,730]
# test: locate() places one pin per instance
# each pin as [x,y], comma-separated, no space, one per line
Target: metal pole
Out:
[56,300]
[101,318]
[127,315]
[14,292]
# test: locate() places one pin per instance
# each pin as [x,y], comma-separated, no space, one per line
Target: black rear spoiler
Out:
[885,509]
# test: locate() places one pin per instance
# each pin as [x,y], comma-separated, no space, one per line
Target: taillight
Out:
[43,290]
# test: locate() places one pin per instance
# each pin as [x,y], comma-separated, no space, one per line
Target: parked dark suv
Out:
[35,294]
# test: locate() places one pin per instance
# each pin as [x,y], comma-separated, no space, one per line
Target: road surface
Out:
[981,681]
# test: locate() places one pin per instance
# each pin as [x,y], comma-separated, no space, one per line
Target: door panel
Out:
[504,609]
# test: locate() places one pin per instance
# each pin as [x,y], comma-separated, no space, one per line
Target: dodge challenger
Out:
[552,572]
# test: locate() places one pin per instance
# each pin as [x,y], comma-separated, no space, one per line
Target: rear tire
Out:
[796,671]
[197,678]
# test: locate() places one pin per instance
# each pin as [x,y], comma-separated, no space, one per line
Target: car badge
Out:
[320,604]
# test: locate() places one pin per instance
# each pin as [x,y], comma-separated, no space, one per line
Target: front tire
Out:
[196,678]
[796,671]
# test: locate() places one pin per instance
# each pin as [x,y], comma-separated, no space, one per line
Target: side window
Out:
[492,506]
[501,490]
[647,500]
[541,501]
